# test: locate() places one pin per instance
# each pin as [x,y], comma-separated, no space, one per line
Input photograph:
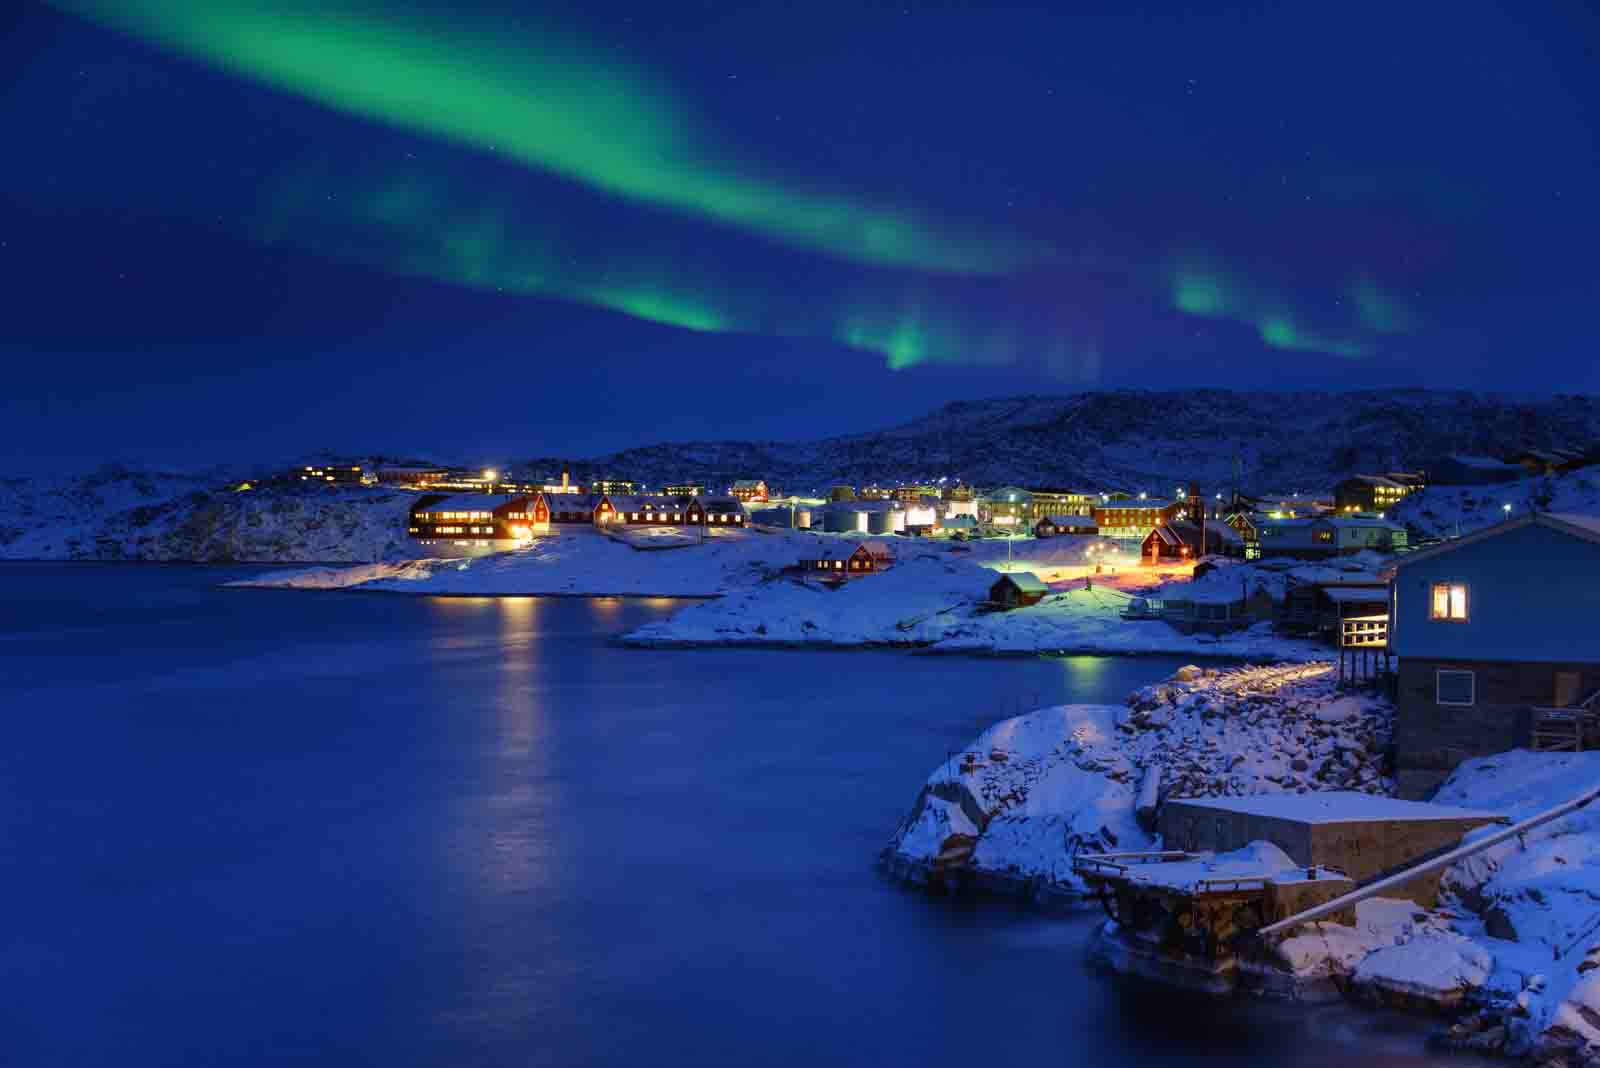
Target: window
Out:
[1449,602]
[1455,687]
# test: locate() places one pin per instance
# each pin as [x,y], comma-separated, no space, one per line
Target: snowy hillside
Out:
[118,514]
[1449,511]
[1139,439]
[1132,440]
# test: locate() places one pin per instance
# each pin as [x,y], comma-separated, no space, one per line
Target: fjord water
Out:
[263,827]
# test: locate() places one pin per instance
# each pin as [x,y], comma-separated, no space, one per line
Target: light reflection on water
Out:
[473,831]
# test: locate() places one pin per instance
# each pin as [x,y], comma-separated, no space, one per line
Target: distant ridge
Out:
[1133,439]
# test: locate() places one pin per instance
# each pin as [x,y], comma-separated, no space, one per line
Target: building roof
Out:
[1026,581]
[1335,806]
[572,502]
[1361,521]
[748,483]
[1376,480]
[1135,504]
[472,502]
[1356,594]
[721,504]
[875,549]
[1487,463]
[959,522]
[1586,527]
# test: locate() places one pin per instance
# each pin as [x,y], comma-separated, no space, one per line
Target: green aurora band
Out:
[1209,293]
[544,99]
[419,223]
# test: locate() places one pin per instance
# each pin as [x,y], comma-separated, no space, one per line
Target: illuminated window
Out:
[1449,602]
[1455,687]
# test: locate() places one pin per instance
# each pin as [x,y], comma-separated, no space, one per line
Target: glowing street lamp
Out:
[488,480]
[1506,508]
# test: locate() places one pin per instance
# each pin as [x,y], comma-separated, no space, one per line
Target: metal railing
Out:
[1379,886]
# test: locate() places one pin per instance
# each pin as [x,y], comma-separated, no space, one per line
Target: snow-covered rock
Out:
[1067,779]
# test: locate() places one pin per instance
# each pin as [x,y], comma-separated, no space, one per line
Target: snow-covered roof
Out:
[1375,480]
[1363,521]
[1335,806]
[1026,581]
[572,502]
[472,502]
[748,483]
[720,504]
[959,522]
[1586,527]
[1488,463]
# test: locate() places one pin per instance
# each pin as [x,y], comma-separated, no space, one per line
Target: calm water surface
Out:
[246,827]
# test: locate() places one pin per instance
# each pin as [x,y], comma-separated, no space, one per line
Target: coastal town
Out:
[1386,664]
[709,535]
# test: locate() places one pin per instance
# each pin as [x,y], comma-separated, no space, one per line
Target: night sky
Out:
[248,229]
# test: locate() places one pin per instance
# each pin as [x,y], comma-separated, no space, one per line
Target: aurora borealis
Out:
[920,200]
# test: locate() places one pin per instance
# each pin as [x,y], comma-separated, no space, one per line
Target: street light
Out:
[488,479]
[1506,508]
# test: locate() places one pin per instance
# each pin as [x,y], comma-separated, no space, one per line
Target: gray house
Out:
[1498,640]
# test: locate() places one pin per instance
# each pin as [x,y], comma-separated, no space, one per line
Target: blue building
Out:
[1498,640]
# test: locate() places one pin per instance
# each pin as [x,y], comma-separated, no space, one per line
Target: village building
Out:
[1415,480]
[685,489]
[715,512]
[749,489]
[646,510]
[1368,493]
[412,477]
[1497,645]
[334,474]
[564,484]
[1131,518]
[1048,502]
[1179,542]
[841,562]
[1007,507]
[1017,589]
[841,491]
[958,526]
[1552,461]
[1464,470]
[1318,609]
[567,509]
[467,524]
[1054,526]
[915,491]
[1311,539]
[614,486]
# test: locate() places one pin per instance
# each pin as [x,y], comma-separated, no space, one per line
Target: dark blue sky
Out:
[574,230]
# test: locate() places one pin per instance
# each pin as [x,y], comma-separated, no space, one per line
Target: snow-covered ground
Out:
[1517,929]
[1515,936]
[118,514]
[579,562]
[1449,511]
[1059,780]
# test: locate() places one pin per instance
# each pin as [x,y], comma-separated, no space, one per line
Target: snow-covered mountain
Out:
[1126,439]
[1138,439]
[122,514]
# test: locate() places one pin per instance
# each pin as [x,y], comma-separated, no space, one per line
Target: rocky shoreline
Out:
[1510,954]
